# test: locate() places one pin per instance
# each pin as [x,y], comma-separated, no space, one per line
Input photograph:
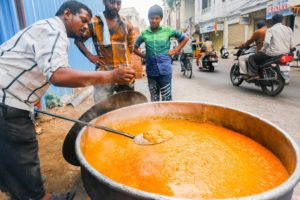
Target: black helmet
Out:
[260,24]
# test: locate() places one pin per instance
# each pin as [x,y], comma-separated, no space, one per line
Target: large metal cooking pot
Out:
[267,134]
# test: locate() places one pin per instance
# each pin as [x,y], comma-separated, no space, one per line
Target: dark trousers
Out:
[20,173]
[160,85]
[255,61]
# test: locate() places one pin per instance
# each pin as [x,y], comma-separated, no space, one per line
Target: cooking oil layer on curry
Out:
[201,160]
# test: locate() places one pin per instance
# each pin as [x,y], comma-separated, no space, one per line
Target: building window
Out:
[206,4]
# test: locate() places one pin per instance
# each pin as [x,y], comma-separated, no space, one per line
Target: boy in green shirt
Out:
[158,54]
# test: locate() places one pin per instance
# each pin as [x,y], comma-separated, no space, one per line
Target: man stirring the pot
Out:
[31,60]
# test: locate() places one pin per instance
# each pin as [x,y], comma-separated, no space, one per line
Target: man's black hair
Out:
[260,24]
[155,10]
[277,18]
[74,7]
[206,38]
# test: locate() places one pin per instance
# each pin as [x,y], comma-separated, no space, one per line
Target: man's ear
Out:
[67,14]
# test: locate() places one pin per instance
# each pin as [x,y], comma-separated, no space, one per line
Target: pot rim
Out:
[285,187]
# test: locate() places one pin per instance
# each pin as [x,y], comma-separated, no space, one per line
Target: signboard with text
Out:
[211,27]
[278,6]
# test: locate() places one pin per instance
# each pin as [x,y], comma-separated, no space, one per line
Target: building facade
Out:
[232,22]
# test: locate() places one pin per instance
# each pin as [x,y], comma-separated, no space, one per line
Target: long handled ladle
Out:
[139,139]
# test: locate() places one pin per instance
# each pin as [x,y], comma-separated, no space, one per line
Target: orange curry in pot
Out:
[201,160]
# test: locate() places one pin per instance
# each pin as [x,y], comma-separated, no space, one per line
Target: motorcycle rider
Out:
[258,38]
[207,48]
[278,40]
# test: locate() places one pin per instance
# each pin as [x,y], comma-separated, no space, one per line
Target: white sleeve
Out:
[268,37]
[51,52]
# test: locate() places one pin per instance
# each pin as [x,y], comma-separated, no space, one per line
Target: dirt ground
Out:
[60,175]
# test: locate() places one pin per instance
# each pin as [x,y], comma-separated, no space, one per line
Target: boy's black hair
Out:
[74,7]
[155,10]
[277,18]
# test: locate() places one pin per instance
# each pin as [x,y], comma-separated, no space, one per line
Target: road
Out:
[216,88]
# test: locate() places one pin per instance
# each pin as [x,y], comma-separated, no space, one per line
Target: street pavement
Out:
[216,88]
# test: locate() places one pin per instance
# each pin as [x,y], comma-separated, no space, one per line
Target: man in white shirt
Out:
[278,40]
[31,60]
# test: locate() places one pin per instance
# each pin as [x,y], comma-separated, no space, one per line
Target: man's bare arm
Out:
[92,58]
[67,77]
[138,52]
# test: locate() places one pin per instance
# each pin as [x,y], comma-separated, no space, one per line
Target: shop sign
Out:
[278,6]
[245,20]
[211,27]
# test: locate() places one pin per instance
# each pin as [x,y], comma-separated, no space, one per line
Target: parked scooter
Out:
[224,53]
[270,79]
[209,62]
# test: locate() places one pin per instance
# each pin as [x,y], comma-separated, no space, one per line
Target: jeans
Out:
[255,61]
[20,173]
[160,85]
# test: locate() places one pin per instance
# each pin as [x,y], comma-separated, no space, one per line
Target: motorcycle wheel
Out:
[211,68]
[236,80]
[189,70]
[275,88]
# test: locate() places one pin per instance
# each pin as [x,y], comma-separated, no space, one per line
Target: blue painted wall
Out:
[41,9]
[8,20]
[37,9]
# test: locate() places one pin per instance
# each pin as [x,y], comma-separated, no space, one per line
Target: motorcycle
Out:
[270,79]
[209,62]
[224,52]
[186,64]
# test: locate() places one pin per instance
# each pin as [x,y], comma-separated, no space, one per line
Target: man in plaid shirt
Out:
[113,55]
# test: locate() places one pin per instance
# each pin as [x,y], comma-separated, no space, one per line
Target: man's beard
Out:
[111,13]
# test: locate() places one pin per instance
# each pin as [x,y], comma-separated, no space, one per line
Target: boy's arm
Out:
[179,47]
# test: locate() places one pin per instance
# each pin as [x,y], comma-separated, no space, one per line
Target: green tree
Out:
[170,3]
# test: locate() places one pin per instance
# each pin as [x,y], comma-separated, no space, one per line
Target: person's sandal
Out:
[62,196]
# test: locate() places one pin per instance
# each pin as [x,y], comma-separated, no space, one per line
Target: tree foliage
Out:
[170,3]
